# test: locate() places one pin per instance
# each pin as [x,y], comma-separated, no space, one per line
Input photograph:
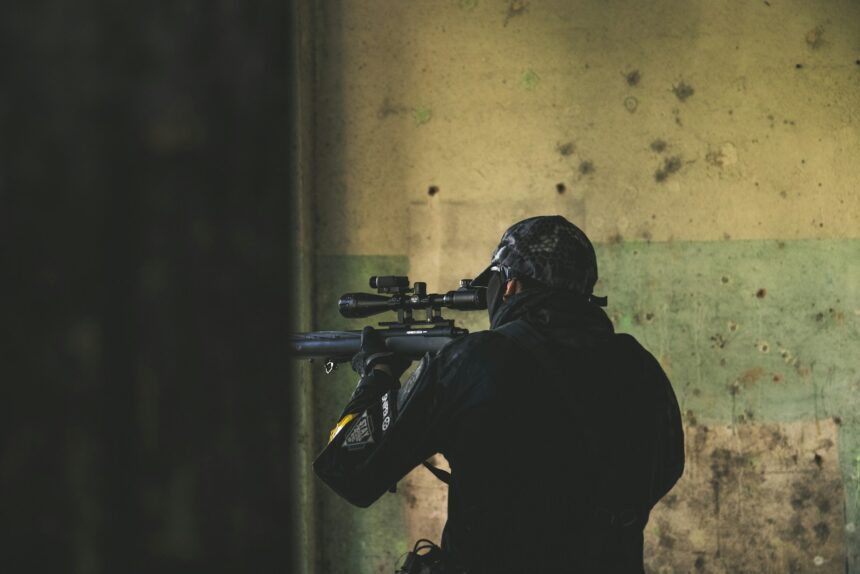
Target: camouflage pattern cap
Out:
[548,249]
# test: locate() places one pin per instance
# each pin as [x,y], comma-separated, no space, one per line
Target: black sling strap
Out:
[442,475]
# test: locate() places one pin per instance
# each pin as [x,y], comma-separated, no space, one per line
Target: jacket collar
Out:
[562,314]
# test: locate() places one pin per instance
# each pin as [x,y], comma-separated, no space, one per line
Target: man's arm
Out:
[382,435]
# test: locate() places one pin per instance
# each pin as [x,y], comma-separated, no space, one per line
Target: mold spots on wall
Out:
[761,293]
[815,37]
[529,80]
[432,190]
[818,460]
[683,91]
[670,165]
[586,167]
[690,419]
[725,466]
[560,188]
[658,146]
[516,8]
[631,104]
[835,317]
[633,78]
[641,318]
[566,149]
[422,115]
[725,156]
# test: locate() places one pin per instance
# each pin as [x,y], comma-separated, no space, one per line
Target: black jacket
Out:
[557,457]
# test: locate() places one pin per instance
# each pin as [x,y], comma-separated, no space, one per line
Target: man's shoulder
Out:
[475,345]
[473,357]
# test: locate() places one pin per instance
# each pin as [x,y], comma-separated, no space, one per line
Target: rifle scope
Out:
[358,305]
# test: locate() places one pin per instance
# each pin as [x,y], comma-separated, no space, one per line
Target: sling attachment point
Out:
[442,475]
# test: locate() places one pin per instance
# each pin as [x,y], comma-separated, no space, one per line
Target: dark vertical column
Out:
[301,114]
[145,243]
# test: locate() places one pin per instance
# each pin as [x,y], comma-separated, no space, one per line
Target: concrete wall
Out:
[709,149]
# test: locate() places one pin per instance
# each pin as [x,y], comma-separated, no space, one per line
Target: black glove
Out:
[373,353]
[373,383]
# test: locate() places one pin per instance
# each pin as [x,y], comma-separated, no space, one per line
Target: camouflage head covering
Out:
[548,249]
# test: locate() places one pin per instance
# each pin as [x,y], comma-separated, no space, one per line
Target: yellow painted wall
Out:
[655,126]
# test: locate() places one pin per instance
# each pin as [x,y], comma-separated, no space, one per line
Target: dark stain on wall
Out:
[633,78]
[387,109]
[670,166]
[566,149]
[586,167]
[754,498]
[683,91]
[658,146]
[815,37]
[516,8]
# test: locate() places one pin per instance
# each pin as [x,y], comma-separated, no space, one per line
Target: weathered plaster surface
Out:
[755,497]
[424,94]
[708,148]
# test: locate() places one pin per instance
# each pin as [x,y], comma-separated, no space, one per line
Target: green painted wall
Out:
[708,149]
[351,539]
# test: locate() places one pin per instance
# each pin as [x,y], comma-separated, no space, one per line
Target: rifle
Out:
[407,336]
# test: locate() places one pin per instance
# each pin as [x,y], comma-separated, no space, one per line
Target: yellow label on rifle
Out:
[343,422]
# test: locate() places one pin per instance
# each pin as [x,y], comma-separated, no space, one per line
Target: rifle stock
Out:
[340,346]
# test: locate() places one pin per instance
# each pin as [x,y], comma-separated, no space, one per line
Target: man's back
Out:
[555,466]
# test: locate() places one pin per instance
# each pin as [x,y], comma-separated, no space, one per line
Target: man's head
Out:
[545,251]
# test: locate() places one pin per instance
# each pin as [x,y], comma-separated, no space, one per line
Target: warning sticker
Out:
[361,434]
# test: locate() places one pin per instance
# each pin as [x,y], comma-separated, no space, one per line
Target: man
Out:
[561,434]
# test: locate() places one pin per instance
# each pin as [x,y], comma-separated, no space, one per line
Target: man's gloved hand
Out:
[374,354]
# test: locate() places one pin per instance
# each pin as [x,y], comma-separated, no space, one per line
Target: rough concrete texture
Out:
[756,497]
[709,149]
